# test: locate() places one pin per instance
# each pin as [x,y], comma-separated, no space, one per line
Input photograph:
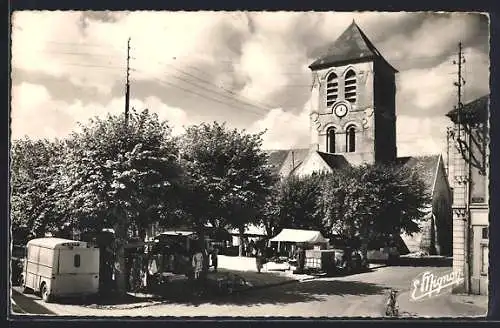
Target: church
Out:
[353,121]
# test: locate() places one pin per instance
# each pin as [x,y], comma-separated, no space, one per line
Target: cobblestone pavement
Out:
[358,295]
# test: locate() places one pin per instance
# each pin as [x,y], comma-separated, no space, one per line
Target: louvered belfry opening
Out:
[350,86]
[332,89]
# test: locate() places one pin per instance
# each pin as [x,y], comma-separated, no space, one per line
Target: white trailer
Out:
[57,267]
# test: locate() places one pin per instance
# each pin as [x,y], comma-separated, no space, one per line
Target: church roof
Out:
[351,45]
[426,166]
[333,160]
[283,162]
[276,158]
[474,111]
[286,160]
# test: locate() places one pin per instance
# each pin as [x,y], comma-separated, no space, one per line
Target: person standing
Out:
[301,260]
[251,248]
[259,260]
[197,264]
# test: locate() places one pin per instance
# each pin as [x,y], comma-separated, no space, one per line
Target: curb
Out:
[286,282]
[281,283]
[383,265]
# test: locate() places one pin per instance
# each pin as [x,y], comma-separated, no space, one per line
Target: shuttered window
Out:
[350,85]
[332,89]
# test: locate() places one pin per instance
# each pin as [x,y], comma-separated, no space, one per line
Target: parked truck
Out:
[56,267]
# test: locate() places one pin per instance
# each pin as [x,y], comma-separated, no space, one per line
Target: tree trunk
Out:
[120,267]
[242,237]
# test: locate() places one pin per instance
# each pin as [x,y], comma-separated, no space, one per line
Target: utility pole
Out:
[464,177]
[121,227]
[127,84]
[448,136]
[459,84]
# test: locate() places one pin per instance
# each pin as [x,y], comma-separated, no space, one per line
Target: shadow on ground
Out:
[285,290]
[294,292]
[437,261]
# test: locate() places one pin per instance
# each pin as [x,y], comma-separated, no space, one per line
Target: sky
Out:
[248,69]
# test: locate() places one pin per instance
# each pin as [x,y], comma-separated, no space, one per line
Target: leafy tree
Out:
[361,203]
[121,176]
[294,204]
[227,176]
[270,214]
[35,185]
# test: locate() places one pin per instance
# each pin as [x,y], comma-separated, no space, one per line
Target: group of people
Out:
[202,260]
[252,248]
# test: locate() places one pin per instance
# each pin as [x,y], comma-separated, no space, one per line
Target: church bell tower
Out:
[353,110]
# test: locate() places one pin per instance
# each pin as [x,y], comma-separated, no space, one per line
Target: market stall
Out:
[299,236]
[288,241]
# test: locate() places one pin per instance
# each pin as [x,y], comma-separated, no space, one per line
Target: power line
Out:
[206,97]
[91,65]
[248,101]
[81,44]
[221,94]
[78,53]
[306,60]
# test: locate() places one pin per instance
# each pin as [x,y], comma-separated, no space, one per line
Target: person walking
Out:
[259,260]
[214,258]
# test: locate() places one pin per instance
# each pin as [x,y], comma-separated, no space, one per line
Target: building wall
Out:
[313,163]
[459,214]
[373,114]
[385,112]
[414,241]
[360,115]
[470,229]
[442,209]
[480,225]
[480,251]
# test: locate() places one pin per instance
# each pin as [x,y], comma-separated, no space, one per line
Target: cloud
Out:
[177,118]
[259,58]
[421,135]
[438,34]
[283,129]
[39,45]
[60,118]
[48,42]
[424,92]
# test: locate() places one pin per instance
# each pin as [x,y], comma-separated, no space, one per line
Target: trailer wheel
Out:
[46,297]
[24,289]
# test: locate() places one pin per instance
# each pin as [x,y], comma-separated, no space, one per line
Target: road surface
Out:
[358,295]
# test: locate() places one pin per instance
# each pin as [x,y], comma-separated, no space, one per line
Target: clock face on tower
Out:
[340,109]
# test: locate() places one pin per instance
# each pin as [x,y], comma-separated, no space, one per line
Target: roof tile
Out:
[351,45]
[426,166]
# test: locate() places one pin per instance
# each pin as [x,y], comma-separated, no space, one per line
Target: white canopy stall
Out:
[299,236]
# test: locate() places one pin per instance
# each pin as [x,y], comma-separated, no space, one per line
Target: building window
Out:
[351,139]
[484,260]
[485,233]
[332,89]
[76,260]
[330,140]
[350,86]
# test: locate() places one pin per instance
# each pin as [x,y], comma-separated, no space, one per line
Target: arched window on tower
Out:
[350,86]
[351,139]
[330,140]
[332,89]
